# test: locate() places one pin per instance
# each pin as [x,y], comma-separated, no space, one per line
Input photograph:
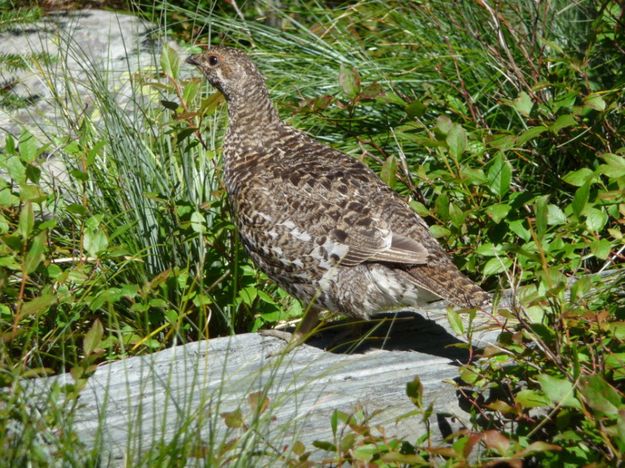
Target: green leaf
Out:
[35,253]
[198,222]
[614,167]
[414,391]
[555,215]
[579,177]
[517,226]
[595,102]
[38,305]
[456,215]
[27,220]
[601,396]
[27,147]
[93,338]
[499,175]
[95,240]
[498,212]
[233,419]
[564,121]
[444,124]
[170,62]
[456,140]
[415,109]
[439,231]
[388,174]
[523,104]
[541,211]
[559,391]
[496,265]
[530,134]
[581,198]
[600,248]
[596,219]
[455,322]
[616,363]
[365,452]
[349,80]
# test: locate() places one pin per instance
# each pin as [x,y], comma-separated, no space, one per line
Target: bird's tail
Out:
[451,285]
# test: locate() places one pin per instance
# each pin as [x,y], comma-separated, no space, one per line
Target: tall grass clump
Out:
[502,123]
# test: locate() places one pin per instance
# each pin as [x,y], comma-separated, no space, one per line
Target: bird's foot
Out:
[293,340]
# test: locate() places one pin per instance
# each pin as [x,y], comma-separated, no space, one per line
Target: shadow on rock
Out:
[402,331]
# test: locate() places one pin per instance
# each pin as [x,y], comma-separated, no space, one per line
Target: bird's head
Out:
[229,70]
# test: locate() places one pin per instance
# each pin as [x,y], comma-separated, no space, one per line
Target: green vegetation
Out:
[503,123]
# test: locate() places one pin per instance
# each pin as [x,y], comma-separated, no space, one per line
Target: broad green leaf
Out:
[564,121]
[439,231]
[555,215]
[233,419]
[38,305]
[414,391]
[441,205]
[499,175]
[170,62]
[595,102]
[456,140]
[415,109]
[523,104]
[27,220]
[596,219]
[496,265]
[444,124]
[581,198]
[473,176]
[27,147]
[601,396]
[93,338]
[616,363]
[614,167]
[456,215]
[517,226]
[455,322]
[17,170]
[95,241]
[600,248]
[388,174]
[531,399]
[579,177]
[530,134]
[35,253]
[198,222]
[498,212]
[559,391]
[349,80]
[489,249]
[365,452]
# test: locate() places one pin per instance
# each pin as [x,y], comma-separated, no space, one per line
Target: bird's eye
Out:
[212,60]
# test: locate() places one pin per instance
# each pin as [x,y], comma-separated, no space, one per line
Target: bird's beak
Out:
[193,60]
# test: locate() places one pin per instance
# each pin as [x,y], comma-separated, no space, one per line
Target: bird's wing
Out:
[345,211]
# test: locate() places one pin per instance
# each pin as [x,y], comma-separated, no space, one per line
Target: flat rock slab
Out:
[134,404]
[63,52]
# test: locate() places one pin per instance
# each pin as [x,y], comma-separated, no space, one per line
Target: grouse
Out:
[320,223]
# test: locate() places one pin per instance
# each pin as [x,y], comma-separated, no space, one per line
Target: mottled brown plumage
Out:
[318,222]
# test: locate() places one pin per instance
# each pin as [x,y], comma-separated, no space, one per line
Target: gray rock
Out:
[134,404]
[77,44]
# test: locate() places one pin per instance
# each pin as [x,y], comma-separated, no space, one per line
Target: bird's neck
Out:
[253,110]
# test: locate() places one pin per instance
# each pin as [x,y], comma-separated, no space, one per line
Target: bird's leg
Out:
[308,323]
